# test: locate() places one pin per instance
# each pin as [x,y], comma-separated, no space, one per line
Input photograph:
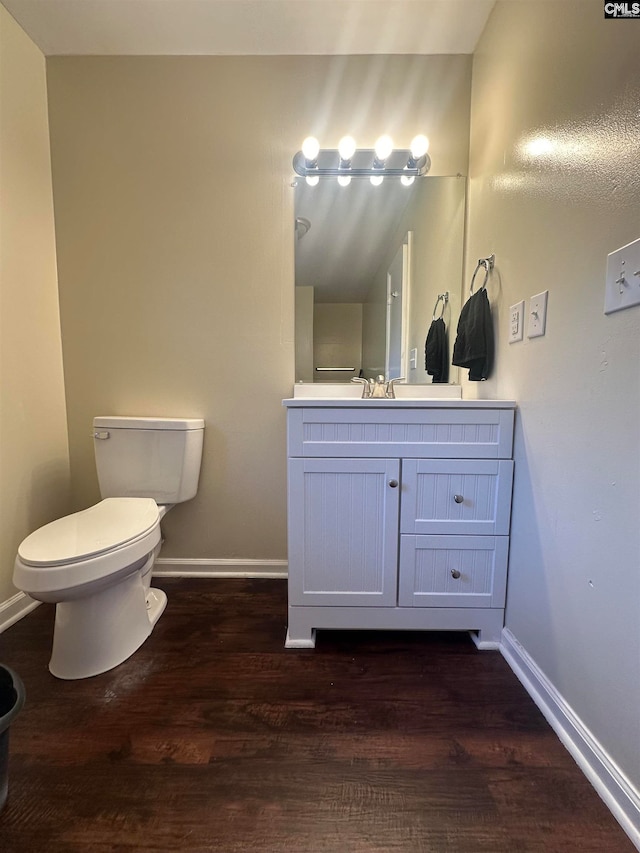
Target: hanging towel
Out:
[436,352]
[474,342]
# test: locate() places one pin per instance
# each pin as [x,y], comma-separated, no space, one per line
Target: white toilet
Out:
[95,565]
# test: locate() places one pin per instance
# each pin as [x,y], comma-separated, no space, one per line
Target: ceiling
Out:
[251,27]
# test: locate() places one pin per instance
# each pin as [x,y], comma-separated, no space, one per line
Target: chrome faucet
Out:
[378,388]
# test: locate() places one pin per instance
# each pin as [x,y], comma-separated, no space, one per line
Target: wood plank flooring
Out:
[213,737]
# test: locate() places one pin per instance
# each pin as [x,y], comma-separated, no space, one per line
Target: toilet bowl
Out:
[95,565]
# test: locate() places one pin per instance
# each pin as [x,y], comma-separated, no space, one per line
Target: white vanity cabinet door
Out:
[343,531]
[453,571]
[470,496]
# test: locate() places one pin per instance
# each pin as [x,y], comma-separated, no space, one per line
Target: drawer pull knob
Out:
[458,498]
[393,484]
[455,573]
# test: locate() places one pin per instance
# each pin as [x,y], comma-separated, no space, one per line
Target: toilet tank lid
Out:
[116,422]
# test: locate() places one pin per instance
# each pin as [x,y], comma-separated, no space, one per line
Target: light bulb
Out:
[312,180]
[407,180]
[344,180]
[310,148]
[376,180]
[419,146]
[347,147]
[383,147]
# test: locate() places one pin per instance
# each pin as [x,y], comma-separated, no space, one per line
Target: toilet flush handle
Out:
[101,434]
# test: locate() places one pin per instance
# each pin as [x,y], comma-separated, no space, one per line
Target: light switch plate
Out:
[622,287]
[413,358]
[537,315]
[516,322]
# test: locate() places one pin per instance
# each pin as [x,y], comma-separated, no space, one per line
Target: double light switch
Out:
[535,314]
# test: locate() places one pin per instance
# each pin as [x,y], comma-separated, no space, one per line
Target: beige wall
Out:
[558,71]
[174,221]
[34,460]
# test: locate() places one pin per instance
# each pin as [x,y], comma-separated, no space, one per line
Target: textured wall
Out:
[174,221]
[34,459]
[554,187]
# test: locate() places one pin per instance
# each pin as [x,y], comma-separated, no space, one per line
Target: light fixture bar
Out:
[400,163]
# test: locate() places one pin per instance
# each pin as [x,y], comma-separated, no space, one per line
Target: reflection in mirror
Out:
[370,263]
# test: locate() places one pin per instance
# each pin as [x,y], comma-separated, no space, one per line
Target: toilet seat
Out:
[109,524]
[96,543]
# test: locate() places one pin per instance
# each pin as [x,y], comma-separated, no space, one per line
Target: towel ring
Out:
[486,264]
[444,298]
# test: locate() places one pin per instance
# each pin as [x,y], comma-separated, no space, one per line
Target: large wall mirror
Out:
[370,263]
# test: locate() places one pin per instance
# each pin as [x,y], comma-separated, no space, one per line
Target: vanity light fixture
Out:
[347,161]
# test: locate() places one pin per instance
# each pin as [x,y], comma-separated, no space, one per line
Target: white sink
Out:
[353,391]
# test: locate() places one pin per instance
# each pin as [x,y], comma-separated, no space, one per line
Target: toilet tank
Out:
[155,458]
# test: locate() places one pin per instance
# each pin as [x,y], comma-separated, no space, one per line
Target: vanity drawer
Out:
[450,496]
[386,432]
[452,571]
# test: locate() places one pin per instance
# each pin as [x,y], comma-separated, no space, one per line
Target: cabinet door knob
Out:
[393,484]
[458,498]
[455,573]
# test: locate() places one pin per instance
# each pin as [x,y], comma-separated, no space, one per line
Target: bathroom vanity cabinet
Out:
[398,515]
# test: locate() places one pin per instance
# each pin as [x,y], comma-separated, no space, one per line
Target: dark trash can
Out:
[11,700]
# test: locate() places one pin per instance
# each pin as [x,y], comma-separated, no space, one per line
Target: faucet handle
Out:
[366,388]
[390,393]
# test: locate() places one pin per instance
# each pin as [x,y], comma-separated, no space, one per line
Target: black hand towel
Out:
[474,342]
[436,352]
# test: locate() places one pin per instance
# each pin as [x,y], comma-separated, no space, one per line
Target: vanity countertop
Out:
[377,403]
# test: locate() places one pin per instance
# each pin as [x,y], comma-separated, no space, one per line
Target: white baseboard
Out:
[15,608]
[168,567]
[620,796]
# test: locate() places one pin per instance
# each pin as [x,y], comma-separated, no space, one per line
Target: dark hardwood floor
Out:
[213,737]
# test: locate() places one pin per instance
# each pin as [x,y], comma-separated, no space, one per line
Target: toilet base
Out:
[96,633]
[156,603]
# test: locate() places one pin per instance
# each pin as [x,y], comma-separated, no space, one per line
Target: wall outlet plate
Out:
[622,287]
[516,322]
[537,315]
